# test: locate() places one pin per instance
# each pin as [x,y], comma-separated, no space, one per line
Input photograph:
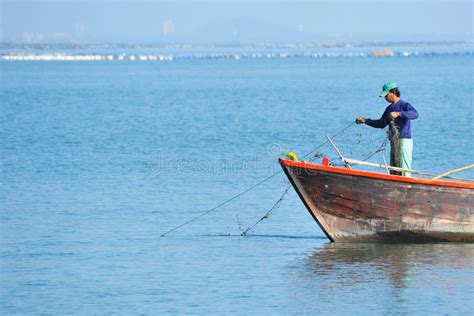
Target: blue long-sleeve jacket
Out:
[407,113]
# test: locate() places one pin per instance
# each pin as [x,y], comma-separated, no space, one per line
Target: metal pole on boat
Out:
[385,162]
[339,153]
[367,163]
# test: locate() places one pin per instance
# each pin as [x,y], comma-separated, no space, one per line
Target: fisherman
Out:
[398,115]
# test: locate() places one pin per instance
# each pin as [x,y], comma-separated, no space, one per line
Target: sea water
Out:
[98,159]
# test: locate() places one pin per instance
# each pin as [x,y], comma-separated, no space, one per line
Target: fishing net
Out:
[360,143]
[356,142]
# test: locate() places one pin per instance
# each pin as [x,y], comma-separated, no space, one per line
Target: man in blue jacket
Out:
[398,115]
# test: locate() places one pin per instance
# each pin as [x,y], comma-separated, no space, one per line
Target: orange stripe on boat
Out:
[374,175]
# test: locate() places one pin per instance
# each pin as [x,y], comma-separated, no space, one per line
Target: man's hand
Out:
[360,120]
[394,115]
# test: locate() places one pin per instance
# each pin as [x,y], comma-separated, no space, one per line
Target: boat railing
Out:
[421,173]
[349,162]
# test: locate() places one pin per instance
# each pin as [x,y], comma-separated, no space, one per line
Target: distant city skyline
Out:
[184,21]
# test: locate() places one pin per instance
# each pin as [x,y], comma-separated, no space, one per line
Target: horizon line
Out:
[244,43]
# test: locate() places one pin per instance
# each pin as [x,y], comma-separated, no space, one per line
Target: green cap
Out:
[387,87]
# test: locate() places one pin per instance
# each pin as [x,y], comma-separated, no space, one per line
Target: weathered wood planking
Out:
[354,206]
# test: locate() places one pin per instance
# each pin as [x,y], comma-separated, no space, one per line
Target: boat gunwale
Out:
[374,175]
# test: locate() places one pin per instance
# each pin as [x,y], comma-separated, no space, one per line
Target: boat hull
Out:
[358,206]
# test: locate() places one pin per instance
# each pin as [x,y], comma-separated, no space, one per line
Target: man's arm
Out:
[409,112]
[380,123]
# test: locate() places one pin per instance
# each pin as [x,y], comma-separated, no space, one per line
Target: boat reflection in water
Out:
[399,263]
[385,279]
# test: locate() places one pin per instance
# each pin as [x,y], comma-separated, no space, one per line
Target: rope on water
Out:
[267,214]
[251,188]
[218,206]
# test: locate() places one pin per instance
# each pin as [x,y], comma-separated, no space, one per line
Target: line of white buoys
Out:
[81,57]
[235,56]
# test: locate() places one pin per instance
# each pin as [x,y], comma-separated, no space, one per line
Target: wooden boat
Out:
[361,206]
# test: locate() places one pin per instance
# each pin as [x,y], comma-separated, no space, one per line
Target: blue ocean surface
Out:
[99,159]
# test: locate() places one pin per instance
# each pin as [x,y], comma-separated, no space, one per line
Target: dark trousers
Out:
[395,156]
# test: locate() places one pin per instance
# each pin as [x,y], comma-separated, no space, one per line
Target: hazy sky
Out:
[234,21]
